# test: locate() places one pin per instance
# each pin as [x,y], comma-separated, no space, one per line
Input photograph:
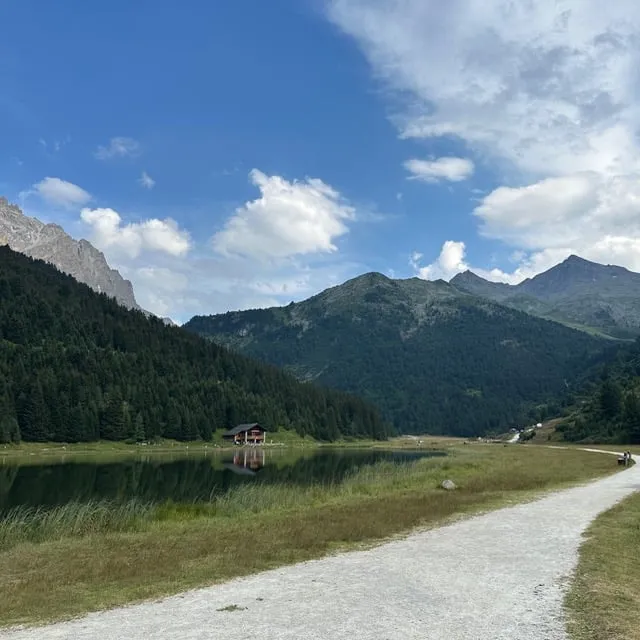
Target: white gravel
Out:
[494,576]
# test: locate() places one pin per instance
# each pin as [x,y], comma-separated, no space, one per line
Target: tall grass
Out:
[29,524]
[77,519]
[368,482]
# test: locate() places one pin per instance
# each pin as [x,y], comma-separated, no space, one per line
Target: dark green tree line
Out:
[608,407]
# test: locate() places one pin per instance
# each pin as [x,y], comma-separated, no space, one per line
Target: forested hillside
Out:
[434,359]
[76,366]
[608,407]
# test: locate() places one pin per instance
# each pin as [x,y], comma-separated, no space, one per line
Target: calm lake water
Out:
[178,477]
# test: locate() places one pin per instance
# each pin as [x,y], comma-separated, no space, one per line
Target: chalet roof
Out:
[241,428]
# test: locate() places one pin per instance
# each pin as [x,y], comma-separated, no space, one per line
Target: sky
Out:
[241,153]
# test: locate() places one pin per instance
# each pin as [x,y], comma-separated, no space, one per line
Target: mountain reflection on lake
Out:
[179,477]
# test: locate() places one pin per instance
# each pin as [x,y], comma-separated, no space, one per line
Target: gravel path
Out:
[496,576]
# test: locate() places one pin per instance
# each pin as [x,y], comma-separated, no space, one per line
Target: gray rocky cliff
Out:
[79,258]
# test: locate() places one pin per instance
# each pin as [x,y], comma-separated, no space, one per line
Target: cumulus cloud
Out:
[446,168]
[546,91]
[447,264]
[171,286]
[118,147]
[280,247]
[61,193]
[108,231]
[146,181]
[288,219]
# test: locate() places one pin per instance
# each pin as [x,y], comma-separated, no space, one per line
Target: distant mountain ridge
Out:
[433,358]
[78,258]
[577,292]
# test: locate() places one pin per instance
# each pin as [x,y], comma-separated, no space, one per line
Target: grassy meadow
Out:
[604,601]
[83,557]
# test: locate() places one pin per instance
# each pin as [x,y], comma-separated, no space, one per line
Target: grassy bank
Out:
[45,450]
[604,601]
[80,562]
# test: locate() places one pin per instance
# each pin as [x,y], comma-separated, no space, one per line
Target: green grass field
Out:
[604,601]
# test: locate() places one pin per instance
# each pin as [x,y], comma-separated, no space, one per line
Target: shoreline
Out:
[65,576]
[282,440]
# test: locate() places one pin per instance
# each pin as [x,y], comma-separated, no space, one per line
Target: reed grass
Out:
[75,519]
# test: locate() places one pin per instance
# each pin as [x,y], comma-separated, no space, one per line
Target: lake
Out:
[180,477]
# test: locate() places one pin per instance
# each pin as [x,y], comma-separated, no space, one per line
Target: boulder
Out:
[449,485]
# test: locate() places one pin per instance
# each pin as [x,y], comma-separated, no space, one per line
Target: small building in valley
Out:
[252,433]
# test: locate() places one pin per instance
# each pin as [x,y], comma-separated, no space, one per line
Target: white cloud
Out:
[163,279]
[118,147]
[146,181]
[131,239]
[445,168]
[545,91]
[171,286]
[289,219]
[61,193]
[447,264]
[272,250]
[544,214]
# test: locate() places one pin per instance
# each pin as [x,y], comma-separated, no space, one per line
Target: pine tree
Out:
[9,429]
[112,425]
[33,416]
[137,433]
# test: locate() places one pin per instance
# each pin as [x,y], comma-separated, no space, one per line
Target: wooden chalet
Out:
[252,433]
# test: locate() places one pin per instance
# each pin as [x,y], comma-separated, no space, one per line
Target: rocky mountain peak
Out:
[49,242]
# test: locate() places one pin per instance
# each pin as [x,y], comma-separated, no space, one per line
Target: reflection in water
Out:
[157,478]
[247,461]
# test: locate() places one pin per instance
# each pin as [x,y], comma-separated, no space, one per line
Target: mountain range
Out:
[463,357]
[433,358]
[583,294]
[78,258]
[78,366]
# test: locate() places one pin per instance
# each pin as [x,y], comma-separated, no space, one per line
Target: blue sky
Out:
[245,153]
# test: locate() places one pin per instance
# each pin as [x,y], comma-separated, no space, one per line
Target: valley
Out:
[117,483]
[320,319]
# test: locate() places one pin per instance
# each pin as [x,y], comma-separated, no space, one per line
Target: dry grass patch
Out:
[176,547]
[604,601]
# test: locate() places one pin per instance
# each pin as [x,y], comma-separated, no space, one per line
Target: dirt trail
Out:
[501,575]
